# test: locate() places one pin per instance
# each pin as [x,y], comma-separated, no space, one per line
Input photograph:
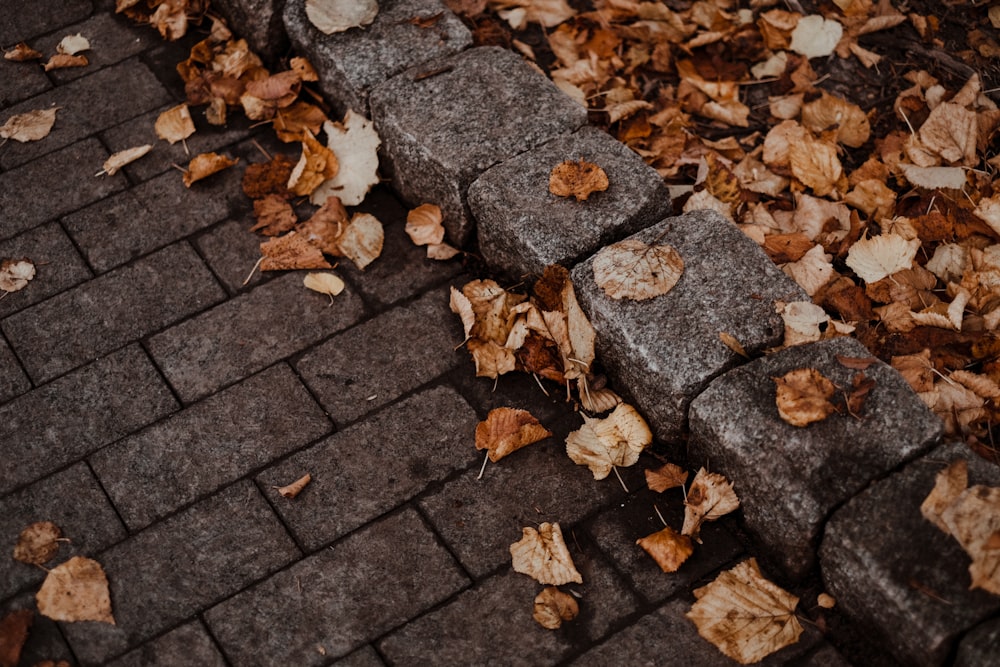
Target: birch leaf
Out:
[77,590]
[631,269]
[616,440]
[542,555]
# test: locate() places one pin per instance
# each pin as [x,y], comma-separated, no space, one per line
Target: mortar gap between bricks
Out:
[211,636]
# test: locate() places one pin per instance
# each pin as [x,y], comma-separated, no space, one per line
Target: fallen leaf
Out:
[668,476]
[268,178]
[423,225]
[933,178]
[506,430]
[291,251]
[877,257]
[552,607]
[832,112]
[15,274]
[330,16]
[118,160]
[710,497]
[826,601]
[744,615]
[355,144]
[631,269]
[77,590]
[274,215]
[951,131]
[802,322]
[291,123]
[441,251]
[542,555]
[974,520]
[598,400]
[566,322]
[815,36]
[668,548]
[73,44]
[324,283]
[803,396]
[174,124]
[317,164]
[616,440]
[38,543]
[206,164]
[304,68]
[578,179]
[295,488]
[815,163]
[362,240]
[29,126]
[948,486]
[63,61]
[13,633]
[21,52]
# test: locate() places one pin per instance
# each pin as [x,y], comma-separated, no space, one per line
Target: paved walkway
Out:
[150,403]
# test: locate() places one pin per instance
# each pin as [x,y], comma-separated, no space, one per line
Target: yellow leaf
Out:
[317,164]
[616,440]
[803,396]
[631,269]
[542,555]
[506,430]
[324,283]
[77,590]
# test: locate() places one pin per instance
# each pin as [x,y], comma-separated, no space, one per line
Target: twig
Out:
[261,149]
[662,520]
[483,469]
[620,480]
[252,271]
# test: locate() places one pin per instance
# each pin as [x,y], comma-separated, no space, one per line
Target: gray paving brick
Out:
[58,266]
[44,642]
[664,351]
[112,40]
[363,657]
[523,227]
[787,495]
[163,575]
[498,106]
[374,363]
[17,24]
[231,250]
[74,501]
[366,470]
[896,574]
[248,333]
[338,598]
[19,81]
[352,63]
[77,414]
[188,644]
[13,381]
[101,99]
[107,312]
[208,445]
[979,647]
[259,22]
[26,198]
[826,656]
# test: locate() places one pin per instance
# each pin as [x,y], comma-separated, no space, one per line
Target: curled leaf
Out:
[552,607]
[295,488]
[206,164]
[21,52]
[29,126]
[542,555]
[317,164]
[631,269]
[616,440]
[803,396]
[174,124]
[578,179]
[506,430]
[710,497]
[330,16]
[324,283]
[423,225]
[15,274]
[118,160]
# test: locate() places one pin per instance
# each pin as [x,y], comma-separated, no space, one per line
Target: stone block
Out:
[13,381]
[112,40]
[789,478]
[981,646]
[447,121]
[376,362]
[249,333]
[162,576]
[896,574]
[18,25]
[426,437]
[229,248]
[77,414]
[664,351]
[340,598]
[19,81]
[188,644]
[352,63]
[209,445]
[523,227]
[258,22]
[110,311]
[363,657]
[58,265]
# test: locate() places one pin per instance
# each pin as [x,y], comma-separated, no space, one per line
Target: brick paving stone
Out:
[26,197]
[896,574]
[512,390]
[210,444]
[367,469]
[231,250]
[376,362]
[44,642]
[74,501]
[339,598]
[19,81]
[498,107]
[788,494]
[13,381]
[166,573]
[18,23]
[363,657]
[523,227]
[664,351]
[88,105]
[259,22]
[188,644]
[979,647]
[249,333]
[112,40]
[58,265]
[109,311]
[352,63]
[77,414]
[826,656]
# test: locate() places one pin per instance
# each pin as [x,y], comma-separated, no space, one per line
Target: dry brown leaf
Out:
[668,476]
[291,251]
[15,274]
[744,615]
[118,160]
[826,601]
[668,548]
[206,164]
[21,52]
[812,271]
[423,225]
[330,16]
[317,164]
[442,251]
[324,283]
[38,543]
[295,488]
[974,520]
[291,123]
[597,400]
[174,124]
[304,69]
[631,269]
[362,239]
[552,607]
[355,143]
[814,163]
[274,216]
[491,359]
[566,322]
[951,131]
[63,61]
[832,112]
[13,633]
[802,320]
[506,430]
[948,486]
[803,396]
[542,555]
[29,126]
[578,179]
[268,178]
[73,44]
[932,178]
[710,497]
[616,440]
[877,257]
[77,590]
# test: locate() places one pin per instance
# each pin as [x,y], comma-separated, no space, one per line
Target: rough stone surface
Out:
[895,573]
[789,478]
[110,311]
[211,443]
[352,374]
[825,656]
[497,107]
[112,40]
[19,81]
[664,351]
[979,647]
[17,25]
[229,248]
[58,265]
[523,227]
[363,657]
[249,333]
[258,22]
[338,598]
[188,644]
[353,62]
[75,415]
[13,381]
[166,573]
[366,470]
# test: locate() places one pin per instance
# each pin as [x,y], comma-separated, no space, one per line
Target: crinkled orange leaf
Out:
[77,590]
[206,164]
[578,179]
[291,251]
[803,396]
[553,607]
[542,555]
[21,52]
[37,543]
[667,476]
[64,60]
[506,430]
[668,548]
[710,497]
[317,164]
[268,178]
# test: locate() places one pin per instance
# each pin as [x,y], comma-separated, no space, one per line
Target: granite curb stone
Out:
[259,23]
[979,647]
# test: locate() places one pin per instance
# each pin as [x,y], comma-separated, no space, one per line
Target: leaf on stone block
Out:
[206,164]
[668,548]
[974,520]
[324,283]
[174,124]
[274,216]
[63,61]
[330,16]
[423,225]
[362,239]
[877,257]
[542,555]
[631,269]
[317,164]
[73,44]
[21,52]
[291,251]
[37,543]
[15,274]
[29,126]
[295,488]
[506,430]
[13,633]
[77,590]
[355,143]
[948,486]
[577,178]
[803,320]
[616,440]
[118,160]
[668,476]
[710,497]
[803,396]
[552,607]
[744,615]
